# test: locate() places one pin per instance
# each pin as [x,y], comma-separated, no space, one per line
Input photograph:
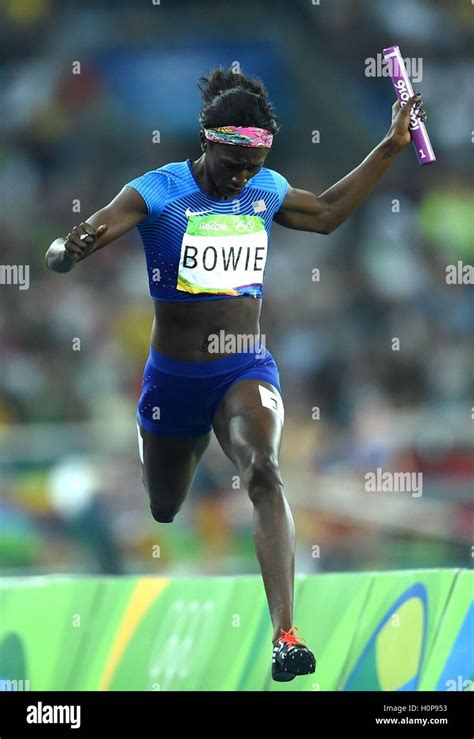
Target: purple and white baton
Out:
[404,90]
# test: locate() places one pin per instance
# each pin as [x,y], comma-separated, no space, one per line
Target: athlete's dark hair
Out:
[232,99]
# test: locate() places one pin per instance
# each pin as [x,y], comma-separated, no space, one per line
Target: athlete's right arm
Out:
[124,212]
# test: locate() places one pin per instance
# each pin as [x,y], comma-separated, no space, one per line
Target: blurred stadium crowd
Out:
[71,495]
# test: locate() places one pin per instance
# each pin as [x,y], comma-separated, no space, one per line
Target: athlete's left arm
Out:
[304,211]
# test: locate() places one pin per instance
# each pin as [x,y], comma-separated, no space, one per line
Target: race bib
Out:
[222,254]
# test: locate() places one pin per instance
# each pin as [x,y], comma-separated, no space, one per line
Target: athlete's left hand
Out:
[399,132]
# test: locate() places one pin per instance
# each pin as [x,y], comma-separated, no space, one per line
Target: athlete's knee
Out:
[262,475]
[162,515]
[161,510]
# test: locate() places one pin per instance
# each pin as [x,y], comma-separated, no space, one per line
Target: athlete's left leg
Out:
[250,435]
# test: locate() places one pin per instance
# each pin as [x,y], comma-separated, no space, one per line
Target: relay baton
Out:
[404,90]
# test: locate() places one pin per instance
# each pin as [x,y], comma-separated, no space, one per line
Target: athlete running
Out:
[205,228]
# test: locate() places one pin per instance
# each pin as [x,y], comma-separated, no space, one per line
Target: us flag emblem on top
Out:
[259,206]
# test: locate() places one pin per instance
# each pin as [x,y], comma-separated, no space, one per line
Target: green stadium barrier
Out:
[375,631]
[37,629]
[450,664]
[400,620]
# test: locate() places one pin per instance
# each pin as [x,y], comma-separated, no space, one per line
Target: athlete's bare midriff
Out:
[183,330]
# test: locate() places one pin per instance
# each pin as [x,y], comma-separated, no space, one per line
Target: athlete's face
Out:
[230,167]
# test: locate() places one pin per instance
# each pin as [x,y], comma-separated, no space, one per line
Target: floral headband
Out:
[240,136]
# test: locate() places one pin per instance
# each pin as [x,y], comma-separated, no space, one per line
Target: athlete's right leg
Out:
[168,466]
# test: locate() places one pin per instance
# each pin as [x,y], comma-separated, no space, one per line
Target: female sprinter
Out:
[205,226]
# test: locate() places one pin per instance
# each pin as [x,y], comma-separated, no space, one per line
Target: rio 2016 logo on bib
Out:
[223,254]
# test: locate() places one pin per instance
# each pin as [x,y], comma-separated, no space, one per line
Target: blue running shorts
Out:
[179,398]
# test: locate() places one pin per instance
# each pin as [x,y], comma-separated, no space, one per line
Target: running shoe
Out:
[291,657]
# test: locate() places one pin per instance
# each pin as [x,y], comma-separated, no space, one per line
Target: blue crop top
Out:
[199,247]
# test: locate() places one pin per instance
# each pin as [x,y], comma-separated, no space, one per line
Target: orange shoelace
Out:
[290,638]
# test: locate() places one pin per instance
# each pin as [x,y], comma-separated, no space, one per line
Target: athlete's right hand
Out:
[82,240]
